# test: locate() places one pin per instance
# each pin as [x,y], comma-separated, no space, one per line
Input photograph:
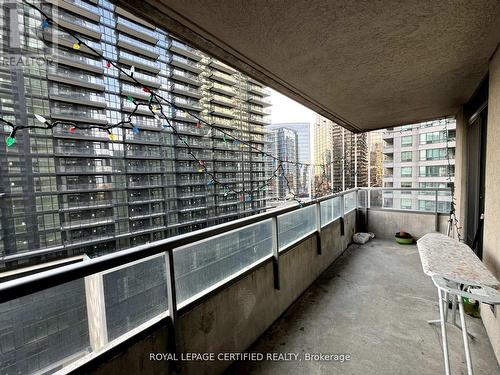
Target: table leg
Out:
[454,309]
[464,335]
[446,303]
[444,338]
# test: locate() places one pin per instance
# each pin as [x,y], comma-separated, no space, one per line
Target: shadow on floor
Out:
[371,304]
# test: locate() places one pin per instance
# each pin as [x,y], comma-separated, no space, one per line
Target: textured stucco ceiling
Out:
[365,64]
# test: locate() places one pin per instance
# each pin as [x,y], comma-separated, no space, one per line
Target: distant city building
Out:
[283,143]
[375,155]
[348,153]
[419,156]
[303,130]
[323,149]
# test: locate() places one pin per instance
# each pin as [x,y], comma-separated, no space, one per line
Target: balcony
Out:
[137,46]
[186,90]
[79,61]
[151,66]
[186,77]
[79,25]
[75,78]
[256,99]
[185,50]
[193,105]
[223,89]
[185,63]
[222,77]
[83,97]
[136,30]
[270,259]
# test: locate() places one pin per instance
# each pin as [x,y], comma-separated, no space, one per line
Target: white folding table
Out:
[457,273]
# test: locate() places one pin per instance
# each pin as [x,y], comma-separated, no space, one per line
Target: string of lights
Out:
[453,220]
[155,105]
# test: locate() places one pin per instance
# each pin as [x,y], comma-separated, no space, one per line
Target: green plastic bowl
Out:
[403,240]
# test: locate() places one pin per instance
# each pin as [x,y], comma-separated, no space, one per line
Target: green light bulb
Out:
[10,141]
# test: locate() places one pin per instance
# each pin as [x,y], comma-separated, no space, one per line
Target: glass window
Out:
[406,156]
[406,171]
[406,203]
[406,140]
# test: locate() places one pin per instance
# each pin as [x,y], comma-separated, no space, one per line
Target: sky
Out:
[287,110]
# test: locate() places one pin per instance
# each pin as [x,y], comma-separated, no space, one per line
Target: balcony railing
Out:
[175,274]
[171,270]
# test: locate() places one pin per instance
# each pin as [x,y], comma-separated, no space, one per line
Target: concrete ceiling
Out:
[366,64]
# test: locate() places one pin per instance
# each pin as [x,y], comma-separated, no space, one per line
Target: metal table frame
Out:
[457,292]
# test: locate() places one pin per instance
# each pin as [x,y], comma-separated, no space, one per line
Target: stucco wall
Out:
[491,244]
[385,223]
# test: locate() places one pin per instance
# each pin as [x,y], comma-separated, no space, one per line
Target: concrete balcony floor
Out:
[372,303]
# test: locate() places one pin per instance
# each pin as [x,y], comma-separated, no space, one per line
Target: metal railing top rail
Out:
[27,285]
[403,188]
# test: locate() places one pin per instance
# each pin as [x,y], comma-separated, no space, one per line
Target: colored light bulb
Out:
[145,89]
[130,98]
[72,129]
[108,64]
[76,46]
[45,24]
[41,118]
[135,130]
[10,141]
[112,137]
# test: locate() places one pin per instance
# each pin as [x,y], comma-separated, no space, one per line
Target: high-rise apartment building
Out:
[303,131]
[375,148]
[348,153]
[419,156]
[283,143]
[76,192]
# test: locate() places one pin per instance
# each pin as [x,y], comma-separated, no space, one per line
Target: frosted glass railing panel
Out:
[134,294]
[296,224]
[205,263]
[349,202]
[411,200]
[330,210]
[41,331]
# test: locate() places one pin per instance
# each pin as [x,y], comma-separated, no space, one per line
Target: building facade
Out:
[419,156]
[344,153]
[375,153]
[76,192]
[283,143]
[303,130]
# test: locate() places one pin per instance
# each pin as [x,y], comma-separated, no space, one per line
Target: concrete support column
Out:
[491,250]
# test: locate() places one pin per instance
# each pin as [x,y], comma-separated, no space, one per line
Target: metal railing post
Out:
[342,214]
[318,227]
[436,216]
[175,342]
[276,255]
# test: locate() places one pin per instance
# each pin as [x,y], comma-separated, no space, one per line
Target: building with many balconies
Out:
[419,156]
[76,192]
